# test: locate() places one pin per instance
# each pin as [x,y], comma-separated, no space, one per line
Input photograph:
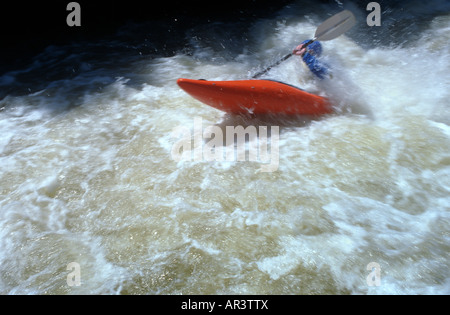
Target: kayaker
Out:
[310,56]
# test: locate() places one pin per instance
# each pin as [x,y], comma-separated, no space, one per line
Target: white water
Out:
[87,176]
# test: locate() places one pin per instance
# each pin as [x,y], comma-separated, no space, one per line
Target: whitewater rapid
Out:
[87,174]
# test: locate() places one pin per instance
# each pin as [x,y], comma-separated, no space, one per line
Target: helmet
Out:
[315,48]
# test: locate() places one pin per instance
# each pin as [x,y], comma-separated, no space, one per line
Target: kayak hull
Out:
[256,97]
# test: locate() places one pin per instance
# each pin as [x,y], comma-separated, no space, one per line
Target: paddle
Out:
[333,27]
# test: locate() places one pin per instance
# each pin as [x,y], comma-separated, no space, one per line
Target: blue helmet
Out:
[314,48]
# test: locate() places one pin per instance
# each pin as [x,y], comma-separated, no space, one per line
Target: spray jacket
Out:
[319,69]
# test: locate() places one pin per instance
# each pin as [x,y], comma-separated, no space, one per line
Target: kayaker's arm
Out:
[309,53]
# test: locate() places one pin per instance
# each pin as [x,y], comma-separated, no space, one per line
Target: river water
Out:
[88,175]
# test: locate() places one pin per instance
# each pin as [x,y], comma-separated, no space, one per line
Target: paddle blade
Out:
[335,26]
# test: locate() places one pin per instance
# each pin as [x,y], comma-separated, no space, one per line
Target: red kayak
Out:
[256,97]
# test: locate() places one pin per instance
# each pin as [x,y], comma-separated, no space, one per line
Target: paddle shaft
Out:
[280,61]
[274,65]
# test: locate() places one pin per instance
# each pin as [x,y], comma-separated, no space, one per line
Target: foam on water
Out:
[87,176]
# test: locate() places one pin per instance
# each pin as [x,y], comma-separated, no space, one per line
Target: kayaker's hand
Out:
[299,50]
